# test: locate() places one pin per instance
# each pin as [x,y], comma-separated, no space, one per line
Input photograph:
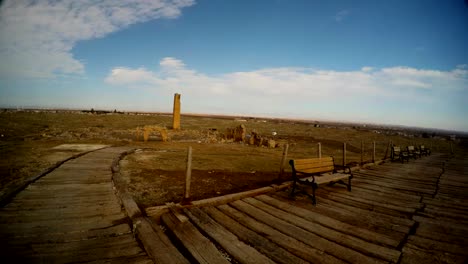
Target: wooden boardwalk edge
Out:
[11,192]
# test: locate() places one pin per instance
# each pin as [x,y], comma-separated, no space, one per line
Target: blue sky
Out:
[387,62]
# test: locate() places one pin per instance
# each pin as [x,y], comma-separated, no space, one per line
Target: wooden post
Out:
[391,149]
[319,150]
[344,154]
[386,151]
[362,152]
[373,153]
[283,159]
[188,174]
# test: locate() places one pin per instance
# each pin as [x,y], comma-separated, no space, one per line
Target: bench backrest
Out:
[396,149]
[422,147]
[313,165]
[410,148]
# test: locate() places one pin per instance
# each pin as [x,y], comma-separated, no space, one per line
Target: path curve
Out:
[70,215]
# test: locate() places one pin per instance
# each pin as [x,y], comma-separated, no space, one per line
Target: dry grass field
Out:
[155,172]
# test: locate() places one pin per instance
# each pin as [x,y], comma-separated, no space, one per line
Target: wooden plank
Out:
[388,197]
[349,241]
[451,227]
[199,247]
[456,215]
[296,247]
[157,211]
[91,254]
[366,204]
[401,197]
[65,236]
[394,186]
[322,169]
[157,244]
[418,184]
[330,222]
[433,245]
[375,187]
[260,242]
[416,256]
[368,220]
[441,234]
[236,248]
[398,222]
[406,207]
[300,234]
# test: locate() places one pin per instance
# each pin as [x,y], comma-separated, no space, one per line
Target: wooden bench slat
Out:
[323,169]
[328,160]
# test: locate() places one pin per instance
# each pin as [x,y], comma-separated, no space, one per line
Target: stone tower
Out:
[176,112]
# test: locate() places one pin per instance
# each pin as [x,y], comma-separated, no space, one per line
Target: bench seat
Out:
[325,179]
[318,171]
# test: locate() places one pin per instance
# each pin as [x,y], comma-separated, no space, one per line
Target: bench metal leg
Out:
[314,200]
[291,195]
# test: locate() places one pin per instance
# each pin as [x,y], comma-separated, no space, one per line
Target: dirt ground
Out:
[156,172]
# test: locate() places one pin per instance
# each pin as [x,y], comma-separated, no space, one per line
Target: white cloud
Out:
[36,37]
[341,15]
[287,90]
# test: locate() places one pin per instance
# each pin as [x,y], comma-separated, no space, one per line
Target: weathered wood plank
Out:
[374,200]
[236,248]
[200,247]
[349,241]
[364,219]
[331,222]
[296,247]
[261,243]
[417,256]
[309,238]
[157,244]
[433,245]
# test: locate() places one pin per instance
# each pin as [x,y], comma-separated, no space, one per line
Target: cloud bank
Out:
[37,37]
[297,91]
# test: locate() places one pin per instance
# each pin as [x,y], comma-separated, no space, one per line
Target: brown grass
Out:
[156,175]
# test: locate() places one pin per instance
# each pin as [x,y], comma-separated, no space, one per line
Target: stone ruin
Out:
[147,130]
[239,134]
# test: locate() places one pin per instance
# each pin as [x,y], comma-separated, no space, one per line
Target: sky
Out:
[383,62]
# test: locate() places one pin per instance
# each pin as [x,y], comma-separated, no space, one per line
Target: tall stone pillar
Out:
[176,112]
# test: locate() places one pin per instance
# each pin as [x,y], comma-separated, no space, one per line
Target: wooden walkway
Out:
[70,215]
[396,213]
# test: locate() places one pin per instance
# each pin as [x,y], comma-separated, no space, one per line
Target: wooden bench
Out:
[413,152]
[317,171]
[398,154]
[424,151]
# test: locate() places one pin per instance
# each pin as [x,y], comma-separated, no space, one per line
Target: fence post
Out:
[188,174]
[319,151]
[373,153]
[283,159]
[344,154]
[362,152]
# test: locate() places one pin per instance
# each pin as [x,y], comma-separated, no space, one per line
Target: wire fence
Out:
[358,152]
